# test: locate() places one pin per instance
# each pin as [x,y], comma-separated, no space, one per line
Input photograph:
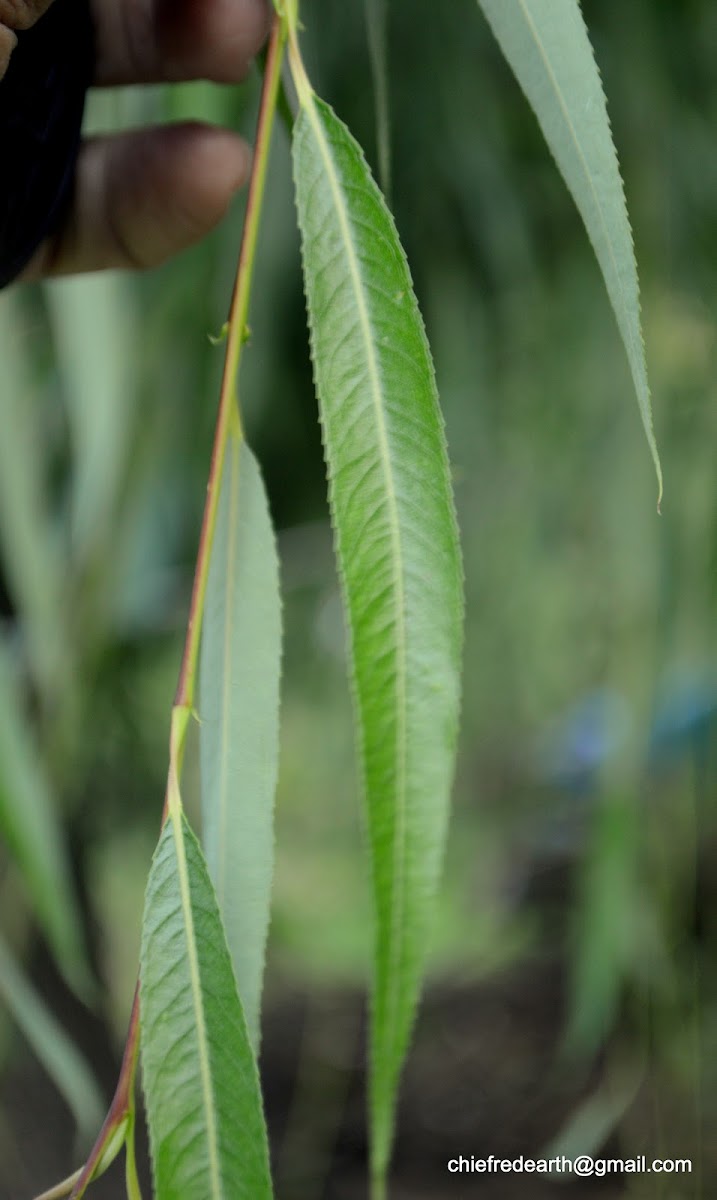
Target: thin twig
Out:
[123,1100]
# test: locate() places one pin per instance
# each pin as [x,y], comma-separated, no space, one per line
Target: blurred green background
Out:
[572,991]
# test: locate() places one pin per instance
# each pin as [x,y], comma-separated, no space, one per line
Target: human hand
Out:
[140,197]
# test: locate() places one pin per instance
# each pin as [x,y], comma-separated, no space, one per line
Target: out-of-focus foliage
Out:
[588,741]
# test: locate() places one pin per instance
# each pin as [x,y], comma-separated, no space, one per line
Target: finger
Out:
[8,42]
[21,14]
[16,14]
[152,41]
[142,197]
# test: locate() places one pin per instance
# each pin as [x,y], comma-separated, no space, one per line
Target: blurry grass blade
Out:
[398,554]
[31,549]
[204,1109]
[595,1120]
[377,29]
[547,46]
[58,1055]
[239,717]
[96,352]
[604,946]
[29,825]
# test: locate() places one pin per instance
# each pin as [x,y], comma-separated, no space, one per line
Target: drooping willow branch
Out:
[118,1126]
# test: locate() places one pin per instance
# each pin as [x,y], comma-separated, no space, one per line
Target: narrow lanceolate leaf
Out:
[547,46]
[206,1125]
[239,717]
[398,553]
[30,828]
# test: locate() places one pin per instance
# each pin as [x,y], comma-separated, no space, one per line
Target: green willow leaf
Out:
[204,1109]
[58,1054]
[30,828]
[239,717]
[548,48]
[399,559]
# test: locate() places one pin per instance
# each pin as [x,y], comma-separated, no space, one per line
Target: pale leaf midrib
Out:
[384,449]
[198,1006]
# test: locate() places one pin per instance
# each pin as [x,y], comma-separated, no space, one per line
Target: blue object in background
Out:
[571,752]
[685,717]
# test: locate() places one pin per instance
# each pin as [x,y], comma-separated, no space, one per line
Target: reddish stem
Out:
[123,1098]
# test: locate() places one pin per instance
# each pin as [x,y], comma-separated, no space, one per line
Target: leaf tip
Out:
[660,483]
